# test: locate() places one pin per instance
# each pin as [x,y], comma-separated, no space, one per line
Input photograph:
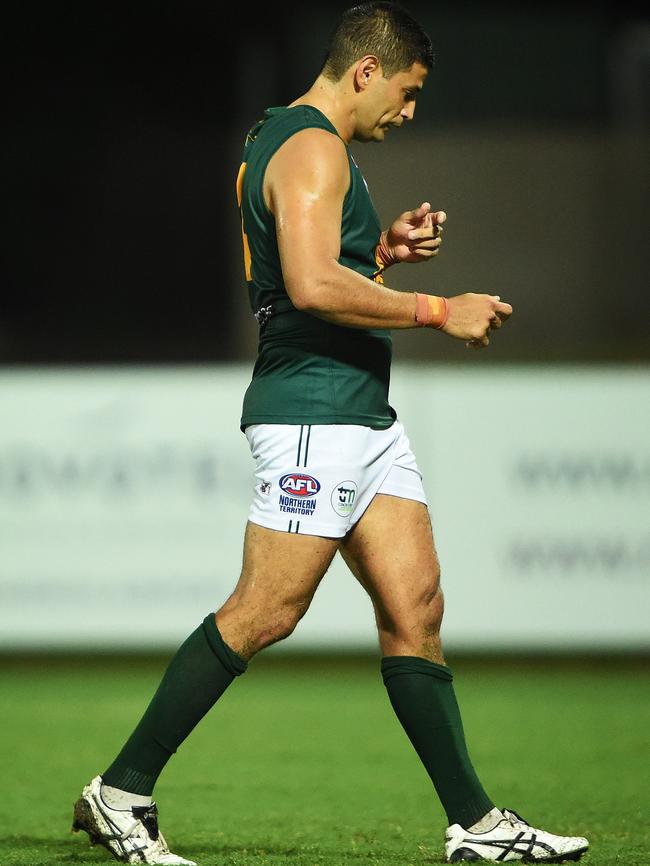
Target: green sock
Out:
[197,676]
[423,698]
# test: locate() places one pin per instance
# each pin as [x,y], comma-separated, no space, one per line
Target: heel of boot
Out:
[82,819]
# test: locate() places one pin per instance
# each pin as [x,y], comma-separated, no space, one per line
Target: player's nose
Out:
[408,111]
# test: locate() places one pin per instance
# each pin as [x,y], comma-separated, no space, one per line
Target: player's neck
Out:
[333,100]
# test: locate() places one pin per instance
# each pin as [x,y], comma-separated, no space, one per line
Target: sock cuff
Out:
[392,666]
[232,662]
[130,780]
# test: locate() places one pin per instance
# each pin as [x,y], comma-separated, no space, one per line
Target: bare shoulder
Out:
[313,158]
[312,143]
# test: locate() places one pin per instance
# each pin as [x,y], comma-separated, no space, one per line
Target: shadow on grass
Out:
[312,853]
[34,851]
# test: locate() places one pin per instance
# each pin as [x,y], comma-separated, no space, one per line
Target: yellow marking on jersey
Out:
[378,276]
[244,236]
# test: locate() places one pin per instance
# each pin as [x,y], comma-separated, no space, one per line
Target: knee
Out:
[277,626]
[251,625]
[420,615]
[431,608]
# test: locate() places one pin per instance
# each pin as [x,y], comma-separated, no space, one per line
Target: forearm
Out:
[345,297]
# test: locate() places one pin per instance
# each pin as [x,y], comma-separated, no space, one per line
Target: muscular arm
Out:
[304,188]
[305,184]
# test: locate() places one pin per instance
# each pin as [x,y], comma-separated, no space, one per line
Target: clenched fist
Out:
[472,316]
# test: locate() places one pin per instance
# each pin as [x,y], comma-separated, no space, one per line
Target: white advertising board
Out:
[124,494]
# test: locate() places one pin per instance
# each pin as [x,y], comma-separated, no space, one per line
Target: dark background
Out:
[123,130]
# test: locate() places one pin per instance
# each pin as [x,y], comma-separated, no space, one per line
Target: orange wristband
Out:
[383,255]
[431,311]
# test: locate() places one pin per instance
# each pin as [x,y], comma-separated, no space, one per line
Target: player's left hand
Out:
[416,235]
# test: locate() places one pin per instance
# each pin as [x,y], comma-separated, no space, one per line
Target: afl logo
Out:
[299,485]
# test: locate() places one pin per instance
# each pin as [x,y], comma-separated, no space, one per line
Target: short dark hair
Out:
[382,28]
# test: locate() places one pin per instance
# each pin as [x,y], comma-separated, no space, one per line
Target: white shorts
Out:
[318,479]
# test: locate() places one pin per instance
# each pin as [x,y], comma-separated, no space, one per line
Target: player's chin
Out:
[375,134]
[382,130]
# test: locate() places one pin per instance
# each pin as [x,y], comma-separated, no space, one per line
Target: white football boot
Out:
[511,839]
[131,836]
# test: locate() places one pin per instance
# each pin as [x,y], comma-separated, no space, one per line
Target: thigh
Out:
[280,574]
[391,552]
[280,567]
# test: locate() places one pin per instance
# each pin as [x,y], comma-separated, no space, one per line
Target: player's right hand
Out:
[472,316]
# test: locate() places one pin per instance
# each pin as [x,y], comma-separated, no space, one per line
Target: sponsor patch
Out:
[297,484]
[265,487]
[343,497]
[298,490]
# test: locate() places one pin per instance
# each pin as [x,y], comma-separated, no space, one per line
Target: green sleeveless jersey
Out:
[309,371]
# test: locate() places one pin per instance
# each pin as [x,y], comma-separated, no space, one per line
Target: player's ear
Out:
[367,68]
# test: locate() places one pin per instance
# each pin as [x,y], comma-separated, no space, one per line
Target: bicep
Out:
[307,181]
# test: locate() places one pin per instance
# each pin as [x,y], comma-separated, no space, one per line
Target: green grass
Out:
[304,762]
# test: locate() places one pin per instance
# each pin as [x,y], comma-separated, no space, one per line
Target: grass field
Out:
[304,762]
